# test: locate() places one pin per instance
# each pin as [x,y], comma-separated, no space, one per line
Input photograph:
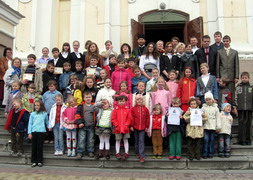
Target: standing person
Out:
[131,62]
[141,49]
[175,40]
[76,56]
[93,50]
[38,122]
[101,80]
[180,50]
[45,57]
[137,78]
[159,46]
[207,55]
[150,60]
[93,70]
[108,51]
[121,120]
[64,55]
[87,43]
[123,91]
[244,106]
[218,41]
[12,74]
[194,44]
[228,64]
[90,86]
[79,70]
[64,78]
[107,92]
[172,83]
[48,75]
[56,61]
[125,51]
[112,66]
[140,124]
[17,123]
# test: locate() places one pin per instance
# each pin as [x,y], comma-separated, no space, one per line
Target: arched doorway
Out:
[164,24]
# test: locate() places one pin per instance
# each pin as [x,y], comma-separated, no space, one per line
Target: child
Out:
[213,124]
[206,83]
[104,128]
[71,88]
[106,93]
[14,93]
[119,75]
[89,86]
[93,70]
[69,125]
[79,70]
[48,75]
[38,122]
[85,115]
[35,74]
[140,124]
[29,98]
[161,94]
[151,82]
[17,122]
[56,61]
[225,95]
[123,91]
[193,133]
[112,66]
[225,131]
[172,83]
[103,75]
[121,120]
[55,124]
[78,93]
[244,105]
[65,77]
[157,129]
[44,58]
[186,88]
[137,78]
[131,63]
[176,132]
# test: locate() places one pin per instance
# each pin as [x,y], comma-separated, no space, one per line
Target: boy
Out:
[71,87]
[244,105]
[56,61]
[79,70]
[112,66]
[138,77]
[65,77]
[85,114]
[225,95]
[48,75]
[152,81]
[31,74]
[93,70]
[131,63]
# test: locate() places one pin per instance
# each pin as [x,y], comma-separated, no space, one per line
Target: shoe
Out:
[40,164]
[60,153]
[142,160]
[12,153]
[100,154]
[204,157]
[91,155]
[178,157]
[154,157]
[118,156]
[137,156]
[125,156]
[51,142]
[248,143]
[46,141]
[198,158]
[56,153]
[33,165]
[69,153]
[242,143]
[171,157]
[221,156]
[19,154]
[210,157]
[227,156]
[73,154]
[107,154]
[79,156]
[191,158]
[158,157]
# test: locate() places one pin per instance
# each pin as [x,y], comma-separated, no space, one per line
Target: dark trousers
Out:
[224,144]
[194,149]
[139,136]
[208,148]
[37,147]
[17,140]
[245,123]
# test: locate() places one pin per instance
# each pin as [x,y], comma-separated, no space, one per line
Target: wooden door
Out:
[137,28]
[194,28]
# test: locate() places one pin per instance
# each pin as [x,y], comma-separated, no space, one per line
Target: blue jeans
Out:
[224,144]
[139,136]
[85,140]
[208,148]
[58,138]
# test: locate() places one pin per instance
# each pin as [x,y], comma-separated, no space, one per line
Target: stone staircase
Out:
[241,157]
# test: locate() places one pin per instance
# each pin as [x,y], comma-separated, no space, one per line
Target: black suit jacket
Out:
[73,58]
[212,56]
[217,48]
[58,64]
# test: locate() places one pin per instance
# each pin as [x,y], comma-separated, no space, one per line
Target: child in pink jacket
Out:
[172,84]
[124,92]
[121,74]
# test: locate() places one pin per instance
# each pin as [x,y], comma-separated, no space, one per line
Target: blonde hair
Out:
[176,100]
[158,107]
[70,98]
[204,64]
[154,88]
[180,45]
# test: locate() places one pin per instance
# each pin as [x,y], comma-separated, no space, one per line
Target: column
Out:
[115,24]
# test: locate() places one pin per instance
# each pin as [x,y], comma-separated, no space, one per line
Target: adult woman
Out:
[159,45]
[65,53]
[150,60]
[75,55]
[93,50]
[125,51]
[12,74]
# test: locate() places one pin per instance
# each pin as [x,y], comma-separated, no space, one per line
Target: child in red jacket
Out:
[121,120]
[140,124]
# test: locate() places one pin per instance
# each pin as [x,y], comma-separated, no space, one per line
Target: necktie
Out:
[207,54]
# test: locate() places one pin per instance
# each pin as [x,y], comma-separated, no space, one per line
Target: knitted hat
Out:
[224,105]
[209,95]
[141,36]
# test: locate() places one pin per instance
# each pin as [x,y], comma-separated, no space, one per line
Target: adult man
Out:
[175,40]
[109,50]
[194,42]
[207,55]
[141,49]
[218,44]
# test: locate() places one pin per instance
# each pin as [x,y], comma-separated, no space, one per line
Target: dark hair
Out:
[50,65]
[166,51]
[131,59]
[225,80]
[90,53]
[79,62]
[79,85]
[42,107]
[31,56]
[191,100]
[32,86]
[87,42]
[175,38]
[87,93]
[108,41]
[125,44]
[67,63]
[188,67]
[111,56]
[123,82]
[121,97]
[206,37]
[52,82]
[120,60]
[55,49]
[94,57]
[66,44]
[155,52]
[136,67]
[245,74]
[227,37]
[85,81]
[5,51]
[218,33]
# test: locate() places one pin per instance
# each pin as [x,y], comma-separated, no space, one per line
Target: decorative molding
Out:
[7,33]
[195,1]
[131,1]
[25,1]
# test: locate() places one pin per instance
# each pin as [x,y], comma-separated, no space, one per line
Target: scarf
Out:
[16,71]
[14,91]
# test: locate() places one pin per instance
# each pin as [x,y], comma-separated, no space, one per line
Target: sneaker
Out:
[221,155]
[142,160]
[60,153]
[210,157]
[191,158]
[46,141]
[198,158]
[91,155]
[137,156]
[19,154]
[69,152]
[227,156]
[79,156]
[73,154]
[125,156]
[33,165]
[154,157]
[204,157]
[56,153]
[40,164]
[51,142]
[159,157]
[178,157]
[107,154]
[118,156]
[171,157]
[12,153]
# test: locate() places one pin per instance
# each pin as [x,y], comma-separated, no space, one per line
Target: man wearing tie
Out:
[207,55]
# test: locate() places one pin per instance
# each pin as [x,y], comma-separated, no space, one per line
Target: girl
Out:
[186,88]
[151,82]
[172,83]
[48,75]
[161,94]
[69,125]
[157,129]
[137,78]
[103,75]
[38,122]
[55,124]
[193,133]
[123,91]
[93,50]
[44,58]
[65,53]
[71,87]
[78,93]
[106,93]
[89,86]
[112,66]
[103,128]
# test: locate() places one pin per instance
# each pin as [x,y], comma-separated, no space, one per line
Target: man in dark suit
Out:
[141,49]
[218,43]
[228,64]
[207,55]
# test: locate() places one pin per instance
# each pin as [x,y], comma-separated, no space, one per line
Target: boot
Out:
[69,153]
[107,152]
[73,153]
[100,154]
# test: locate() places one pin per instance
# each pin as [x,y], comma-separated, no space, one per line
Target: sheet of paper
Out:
[58,70]
[173,118]
[28,77]
[91,71]
[42,65]
[196,117]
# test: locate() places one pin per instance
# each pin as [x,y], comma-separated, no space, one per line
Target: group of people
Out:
[174,91]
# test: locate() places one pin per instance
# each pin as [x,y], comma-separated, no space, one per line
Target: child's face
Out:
[157,111]
[160,83]
[122,102]
[131,64]
[123,87]
[50,69]
[193,104]
[45,52]
[173,76]
[56,54]
[112,60]
[204,69]
[93,62]
[58,100]
[222,84]
[103,74]
[79,67]
[17,64]
[108,83]
[227,109]
[72,103]
[31,61]
[15,86]
[31,90]
[17,104]
[106,105]
[245,79]
[137,73]
[37,106]
[67,68]
[141,87]
[176,104]
[139,101]
[89,83]
[155,74]
[121,65]
[66,48]
[73,80]
[209,101]
[51,88]
[188,73]
[87,99]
